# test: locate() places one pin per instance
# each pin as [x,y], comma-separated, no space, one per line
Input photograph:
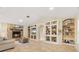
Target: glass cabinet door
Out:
[54,29]
[47,38]
[47,30]
[51,31]
[68,35]
[33,32]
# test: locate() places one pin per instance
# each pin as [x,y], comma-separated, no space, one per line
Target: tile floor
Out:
[39,46]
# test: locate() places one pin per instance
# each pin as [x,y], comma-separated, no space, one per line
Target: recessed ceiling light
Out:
[51,8]
[21,20]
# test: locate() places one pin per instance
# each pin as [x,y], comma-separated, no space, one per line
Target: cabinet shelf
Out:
[32,32]
[68,31]
[51,31]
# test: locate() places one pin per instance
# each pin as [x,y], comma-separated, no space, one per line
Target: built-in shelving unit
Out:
[51,31]
[56,31]
[28,31]
[16,31]
[68,29]
[33,31]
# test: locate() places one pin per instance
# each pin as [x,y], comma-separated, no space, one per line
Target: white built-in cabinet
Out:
[58,31]
[69,31]
[33,32]
[51,31]
[61,32]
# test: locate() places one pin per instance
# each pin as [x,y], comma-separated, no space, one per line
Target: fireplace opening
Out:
[16,34]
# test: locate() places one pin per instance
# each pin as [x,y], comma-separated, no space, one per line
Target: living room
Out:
[39,29]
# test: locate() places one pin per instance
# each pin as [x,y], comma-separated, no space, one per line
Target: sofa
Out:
[6,44]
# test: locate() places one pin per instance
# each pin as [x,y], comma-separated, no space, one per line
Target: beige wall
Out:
[78,34]
[25,31]
[3,30]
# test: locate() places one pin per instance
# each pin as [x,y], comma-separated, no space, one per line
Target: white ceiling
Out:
[14,14]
